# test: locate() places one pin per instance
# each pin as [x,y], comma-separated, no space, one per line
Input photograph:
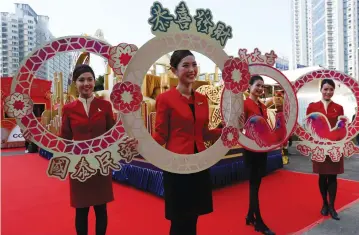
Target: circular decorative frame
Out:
[22,83]
[133,122]
[352,84]
[290,108]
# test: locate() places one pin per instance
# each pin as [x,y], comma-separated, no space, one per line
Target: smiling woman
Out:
[78,121]
[182,125]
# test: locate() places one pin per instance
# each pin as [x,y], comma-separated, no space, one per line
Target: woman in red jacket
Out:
[182,117]
[328,170]
[255,161]
[86,118]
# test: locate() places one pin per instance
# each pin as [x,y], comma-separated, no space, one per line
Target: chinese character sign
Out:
[181,21]
[160,18]
[183,18]
[203,20]
[222,33]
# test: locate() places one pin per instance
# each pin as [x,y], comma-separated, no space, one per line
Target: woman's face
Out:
[186,70]
[85,84]
[257,88]
[327,91]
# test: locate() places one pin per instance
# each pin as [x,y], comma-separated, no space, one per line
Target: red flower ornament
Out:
[126,97]
[18,105]
[230,136]
[236,75]
[120,56]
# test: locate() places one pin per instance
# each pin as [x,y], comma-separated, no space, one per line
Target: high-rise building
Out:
[325,33]
[282,63]
[22,32]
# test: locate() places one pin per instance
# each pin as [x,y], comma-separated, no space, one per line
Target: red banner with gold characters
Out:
[10,132]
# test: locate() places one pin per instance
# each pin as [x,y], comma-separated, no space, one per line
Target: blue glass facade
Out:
[282,66]
[301,66]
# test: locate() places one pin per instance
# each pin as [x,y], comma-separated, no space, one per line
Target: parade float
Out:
[229,169]
[130,64]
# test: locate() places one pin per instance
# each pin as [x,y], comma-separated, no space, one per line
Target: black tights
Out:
[184,226]
[256,174]
[81,220]
[328,184]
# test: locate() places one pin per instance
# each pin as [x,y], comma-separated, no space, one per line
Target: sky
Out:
[265,24]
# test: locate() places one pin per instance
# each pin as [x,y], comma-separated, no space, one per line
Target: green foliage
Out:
[99,85]
[100,80]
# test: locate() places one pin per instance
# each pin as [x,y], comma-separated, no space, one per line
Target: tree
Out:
[99,84]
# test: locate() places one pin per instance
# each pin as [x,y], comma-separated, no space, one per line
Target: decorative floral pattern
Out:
[18,105]
[236,75]
[126,97]
[120,56]
[230,136]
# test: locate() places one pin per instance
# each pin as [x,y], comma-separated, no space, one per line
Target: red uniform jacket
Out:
[251,108]
[334,110]
[76,125]
[177,128]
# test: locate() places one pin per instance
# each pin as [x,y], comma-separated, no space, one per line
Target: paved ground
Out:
[14,153]
[349,223]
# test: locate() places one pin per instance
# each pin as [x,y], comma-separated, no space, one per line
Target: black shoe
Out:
[324,210]
[250,220]
[262,228]
[333,213]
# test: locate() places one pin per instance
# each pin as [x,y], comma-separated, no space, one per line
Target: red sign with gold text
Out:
[10,131]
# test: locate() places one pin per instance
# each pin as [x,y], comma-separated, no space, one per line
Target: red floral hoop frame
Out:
[353,85]
[335,150]
[289,107]
[22,83]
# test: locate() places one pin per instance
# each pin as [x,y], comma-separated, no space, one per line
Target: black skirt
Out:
[255,159]
[187,195]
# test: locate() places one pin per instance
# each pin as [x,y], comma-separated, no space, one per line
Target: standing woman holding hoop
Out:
[328,170]
[182,117]
[83,119]
[255,161]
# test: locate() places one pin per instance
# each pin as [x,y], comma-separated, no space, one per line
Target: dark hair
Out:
[255,78]
[327,81]
[177,56]
[80,69]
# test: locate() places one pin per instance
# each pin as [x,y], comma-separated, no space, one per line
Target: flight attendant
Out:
[255,161]
[328,170]
[182,117]
[83,119]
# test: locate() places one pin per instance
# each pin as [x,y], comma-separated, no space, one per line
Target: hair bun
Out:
[177,56]
[80,69]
